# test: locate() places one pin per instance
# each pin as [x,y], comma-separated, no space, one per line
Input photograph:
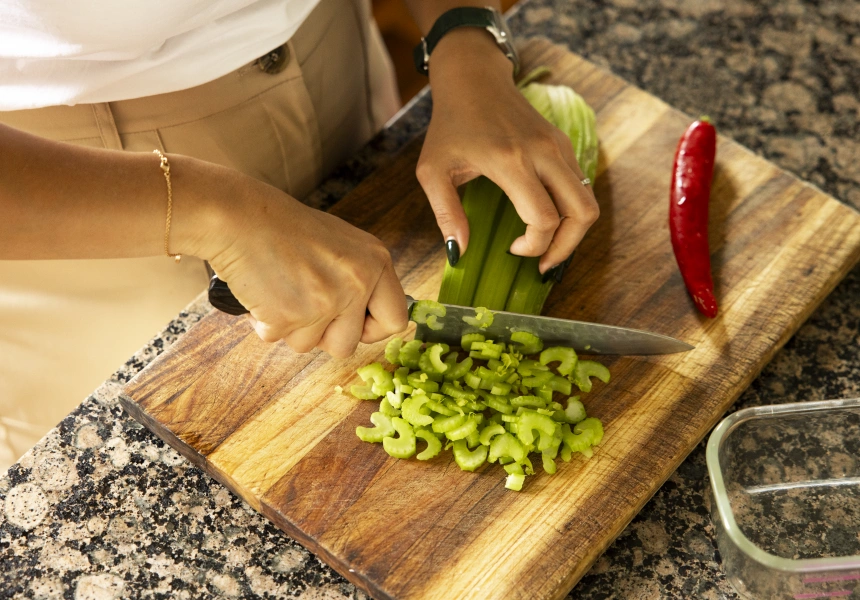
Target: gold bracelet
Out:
[165,166]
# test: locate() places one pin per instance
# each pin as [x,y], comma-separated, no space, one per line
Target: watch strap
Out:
[464,16]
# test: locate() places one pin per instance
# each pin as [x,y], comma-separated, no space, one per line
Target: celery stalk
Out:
[501,266]
[481,202]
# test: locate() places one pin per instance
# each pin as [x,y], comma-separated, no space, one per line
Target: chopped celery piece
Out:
[458,370]
[459,433]
[529,421]
[455,391]
[392,350]
[575,411]
[544,393]
[585,369]
[585,434]
[434,446]
[468,339]
[510,418]
[453,406]
[383,429]
[472,380]
[527,343]
[499,404]
[402,446]
[488,374]
[486,350]
[422,382]
[566,453]
[410,352]
[468,460]
[387,409]
[446,424]
[566,356]
[489,431]
[383,381]
[473,440]
[496,364]
[539,379]
[363,392]
[338,389]
[411,410]
[559,384]
[400,375]
[528,368]
[514,482]
[548,458]
[483,318]
[506,445]
[481,201]
[514,469]
[500,388]
[591,427]
[440,408]
[532,401]
[426,312]
[434,352]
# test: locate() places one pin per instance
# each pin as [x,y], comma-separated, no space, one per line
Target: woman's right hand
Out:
[305,276]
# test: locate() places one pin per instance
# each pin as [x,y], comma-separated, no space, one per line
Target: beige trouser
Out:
[66,326]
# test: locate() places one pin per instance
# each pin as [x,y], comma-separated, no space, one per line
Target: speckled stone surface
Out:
[101,508]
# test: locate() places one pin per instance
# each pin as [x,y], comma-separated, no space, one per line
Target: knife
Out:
[587,338]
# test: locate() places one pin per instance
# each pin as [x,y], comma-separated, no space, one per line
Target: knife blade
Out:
[587,338]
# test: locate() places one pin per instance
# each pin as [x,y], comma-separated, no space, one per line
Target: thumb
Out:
[446,205]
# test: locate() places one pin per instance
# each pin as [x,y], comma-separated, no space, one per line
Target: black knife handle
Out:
[223,299]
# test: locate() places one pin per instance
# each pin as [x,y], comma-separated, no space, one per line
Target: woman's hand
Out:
[305,276]
[482,125]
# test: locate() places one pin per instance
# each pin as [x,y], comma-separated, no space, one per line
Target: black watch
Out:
[466,16]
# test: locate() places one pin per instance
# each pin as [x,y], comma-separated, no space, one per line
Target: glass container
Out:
[785,499]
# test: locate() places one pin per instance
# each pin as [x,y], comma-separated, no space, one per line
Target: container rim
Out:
[721,498]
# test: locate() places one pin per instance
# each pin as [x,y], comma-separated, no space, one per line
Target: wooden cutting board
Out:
[267,423]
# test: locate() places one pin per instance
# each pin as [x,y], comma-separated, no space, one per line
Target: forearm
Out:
[58,200]
[465,57]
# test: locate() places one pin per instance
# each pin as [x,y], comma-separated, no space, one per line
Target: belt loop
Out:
[107,126]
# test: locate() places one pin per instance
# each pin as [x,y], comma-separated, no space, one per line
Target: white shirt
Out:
[55,52]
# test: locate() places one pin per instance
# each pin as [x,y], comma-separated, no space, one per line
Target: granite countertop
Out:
[101,508]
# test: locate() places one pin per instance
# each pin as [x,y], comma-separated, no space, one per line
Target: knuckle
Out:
[424,171]
[299,346]
[547,219]
[513,156]
[267,333]
[590,212]
[549,144]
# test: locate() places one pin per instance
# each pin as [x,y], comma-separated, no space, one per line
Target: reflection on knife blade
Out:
[587,338]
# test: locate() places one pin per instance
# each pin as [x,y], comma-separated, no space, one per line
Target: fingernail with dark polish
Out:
[563,267]
[551,273]
[452,249]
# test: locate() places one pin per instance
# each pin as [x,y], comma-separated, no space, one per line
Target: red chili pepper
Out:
[688,211]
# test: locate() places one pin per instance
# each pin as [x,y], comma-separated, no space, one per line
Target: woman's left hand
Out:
[482,125]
